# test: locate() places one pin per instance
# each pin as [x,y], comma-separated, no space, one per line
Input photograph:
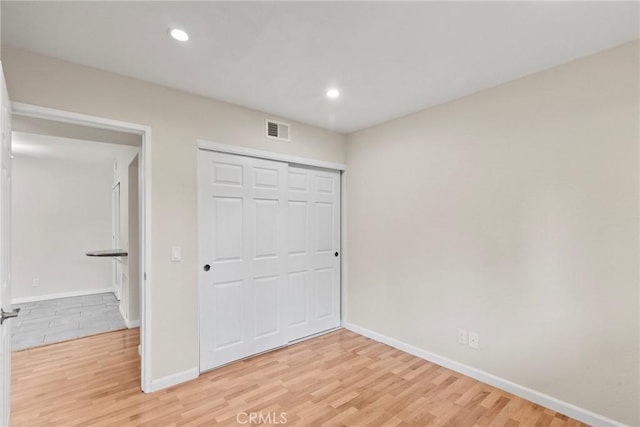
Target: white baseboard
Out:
[60,295]
[542,399]
[174,379]
[130,323]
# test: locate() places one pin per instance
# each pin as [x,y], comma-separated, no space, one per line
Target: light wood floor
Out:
[337,379]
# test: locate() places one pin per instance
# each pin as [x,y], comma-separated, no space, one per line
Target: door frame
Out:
[115,237]
[145,279]
[202,144]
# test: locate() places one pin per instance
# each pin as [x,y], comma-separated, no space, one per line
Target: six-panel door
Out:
[268,238]
[313,249]
[241,233]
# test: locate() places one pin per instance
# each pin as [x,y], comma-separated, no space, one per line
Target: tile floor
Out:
[51,321]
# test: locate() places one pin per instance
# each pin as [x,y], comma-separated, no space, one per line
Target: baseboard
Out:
[534,396]
[130,323]
[60,295]
[174,379]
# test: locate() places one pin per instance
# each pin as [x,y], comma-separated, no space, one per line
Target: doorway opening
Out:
[124,148]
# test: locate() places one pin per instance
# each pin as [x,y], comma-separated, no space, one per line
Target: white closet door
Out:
[242,232]
[313,251]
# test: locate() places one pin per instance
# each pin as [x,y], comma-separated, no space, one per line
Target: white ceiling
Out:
[388,58]
[76,150]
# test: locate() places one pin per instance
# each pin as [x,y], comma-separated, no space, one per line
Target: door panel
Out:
[266,306]
[242,215]
[314,223]
[298,228]
[297,181]
[228,228]
[267,228]
[298,298]
[324,293]
[324,228]
[228,314]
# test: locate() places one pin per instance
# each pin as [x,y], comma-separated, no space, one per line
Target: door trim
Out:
[115,239]
[304,161]
[35,111]
[267,155]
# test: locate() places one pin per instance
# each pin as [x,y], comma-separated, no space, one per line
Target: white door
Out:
[313,251]
[5,257]
[242,231]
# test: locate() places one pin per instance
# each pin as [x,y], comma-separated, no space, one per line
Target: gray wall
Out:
[512,213]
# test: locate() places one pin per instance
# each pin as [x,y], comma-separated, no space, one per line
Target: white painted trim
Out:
[38,112]
[47,297]
[343,247]
[199,246]
[173,379]
[132,324]
[251,152]
[35,111]
[145,280]
[542,399]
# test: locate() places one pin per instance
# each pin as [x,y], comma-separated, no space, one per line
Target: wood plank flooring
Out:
[339,379]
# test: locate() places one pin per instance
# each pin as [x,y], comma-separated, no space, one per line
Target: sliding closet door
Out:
[269,255]
[242,252]
[313,251]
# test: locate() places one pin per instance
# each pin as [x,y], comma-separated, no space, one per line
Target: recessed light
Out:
[333,93]
[179,35]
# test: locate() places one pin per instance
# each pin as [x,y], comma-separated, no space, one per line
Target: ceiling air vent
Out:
[277,130]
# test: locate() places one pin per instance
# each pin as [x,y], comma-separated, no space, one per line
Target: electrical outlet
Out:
[462,336]
[36,282]
[474,340]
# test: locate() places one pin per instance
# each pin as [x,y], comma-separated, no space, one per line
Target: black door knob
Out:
[336,254]
[207,267]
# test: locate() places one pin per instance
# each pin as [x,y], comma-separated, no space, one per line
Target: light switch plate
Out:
[176,253]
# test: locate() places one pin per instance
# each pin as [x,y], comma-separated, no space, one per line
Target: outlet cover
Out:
[474,340]
[462,336]
[36,282]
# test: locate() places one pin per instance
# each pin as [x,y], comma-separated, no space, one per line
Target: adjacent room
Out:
[320,213]
[72,219]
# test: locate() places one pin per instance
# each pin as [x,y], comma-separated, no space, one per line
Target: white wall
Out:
[513,213]
[177,120]
[60,210]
